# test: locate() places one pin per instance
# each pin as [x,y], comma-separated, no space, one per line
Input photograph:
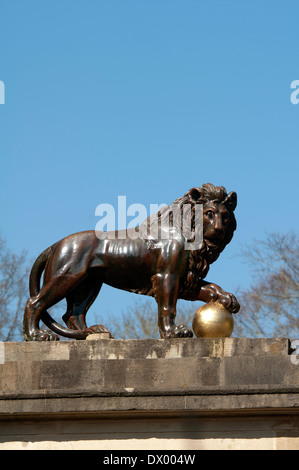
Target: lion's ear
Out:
[231,200]
[194,193]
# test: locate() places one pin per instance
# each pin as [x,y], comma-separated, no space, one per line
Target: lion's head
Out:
[219,224]
[219,221]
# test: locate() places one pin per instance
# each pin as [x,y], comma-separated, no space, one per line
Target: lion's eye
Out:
[225,218]
[210,214]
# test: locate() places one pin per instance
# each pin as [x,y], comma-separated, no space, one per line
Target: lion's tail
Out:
[34,288]
[37,270]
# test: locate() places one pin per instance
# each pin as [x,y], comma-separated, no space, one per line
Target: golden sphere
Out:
[213,320]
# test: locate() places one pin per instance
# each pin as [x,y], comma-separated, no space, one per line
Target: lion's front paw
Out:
[229,301]
[176,332]
[214,293]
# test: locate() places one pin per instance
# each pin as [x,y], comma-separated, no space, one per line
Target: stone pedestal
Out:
[149,394]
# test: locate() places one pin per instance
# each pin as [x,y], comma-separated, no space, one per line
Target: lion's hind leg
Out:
[50,294]
[78,303]
[54,289]
[31,328]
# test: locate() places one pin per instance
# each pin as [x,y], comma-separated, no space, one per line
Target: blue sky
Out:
[147,99]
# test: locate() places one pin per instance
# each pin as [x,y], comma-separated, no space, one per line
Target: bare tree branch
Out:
[270,307]
[13,292]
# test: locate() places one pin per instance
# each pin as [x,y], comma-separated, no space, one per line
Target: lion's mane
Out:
[200,259]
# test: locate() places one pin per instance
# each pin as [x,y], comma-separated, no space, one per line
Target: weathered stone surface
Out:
[223,393]
[181,374]
[146,349]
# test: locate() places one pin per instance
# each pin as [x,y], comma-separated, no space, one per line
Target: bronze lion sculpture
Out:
[76,267]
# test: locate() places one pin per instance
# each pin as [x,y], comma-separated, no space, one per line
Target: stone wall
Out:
[232,393]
